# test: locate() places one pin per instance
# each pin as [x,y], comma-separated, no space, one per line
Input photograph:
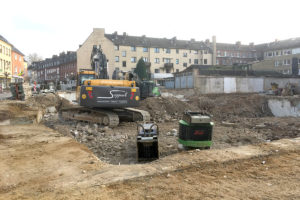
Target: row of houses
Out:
[12,63]
[163,55]
[59,68]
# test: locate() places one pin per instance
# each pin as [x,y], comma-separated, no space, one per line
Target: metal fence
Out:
[185,81]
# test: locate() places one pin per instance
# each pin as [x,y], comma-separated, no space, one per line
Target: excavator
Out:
[102,100]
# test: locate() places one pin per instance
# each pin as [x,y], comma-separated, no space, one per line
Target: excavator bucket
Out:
[147,142]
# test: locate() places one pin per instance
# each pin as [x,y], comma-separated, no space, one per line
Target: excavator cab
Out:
[83,75]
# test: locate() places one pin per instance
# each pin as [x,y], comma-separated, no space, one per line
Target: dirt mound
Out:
[45,100]
[165,108]
[224,107]
[221,107]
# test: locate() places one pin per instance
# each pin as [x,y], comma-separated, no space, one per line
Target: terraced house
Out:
[5,62]
[161,55]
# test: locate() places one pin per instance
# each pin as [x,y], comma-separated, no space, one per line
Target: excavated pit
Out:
[240,119]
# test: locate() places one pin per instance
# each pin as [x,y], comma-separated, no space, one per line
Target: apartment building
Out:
[5,61]
[229,54]
[62,67]
[279,55]
[18,68]
[161,55]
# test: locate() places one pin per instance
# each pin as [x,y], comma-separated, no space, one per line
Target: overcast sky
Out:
[48,27]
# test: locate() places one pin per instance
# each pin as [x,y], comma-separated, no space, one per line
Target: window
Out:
[16,57]
[156,70]
[185,54]
[116,47]
[166,60]
[124,64]
[145,59]
[177,61]
[195,61]
[156,50]
[177,70]
[286,61]
[185,64]
[177,51]
[133,59]
[145,49]
[218,53]
[217,62]
[0,48]
[190,61]
[156,60]
[124,53]
[20,58]
[117,58]
[168,50]
[278,63]
[298,61]
[133,48]
[205,61]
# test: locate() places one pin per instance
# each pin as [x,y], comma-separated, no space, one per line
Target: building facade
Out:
[161,55]
[59,68]
[5,62]
[18,69]
[230,54]
[278,55]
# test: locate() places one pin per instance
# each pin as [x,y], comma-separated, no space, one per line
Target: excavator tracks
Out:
[106,117]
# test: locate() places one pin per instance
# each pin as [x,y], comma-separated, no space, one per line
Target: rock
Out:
[83,171]
[263,162]
[90,131]
[260,126]
[51,109]
[174,132]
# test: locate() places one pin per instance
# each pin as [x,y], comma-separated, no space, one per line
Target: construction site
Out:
[254,152]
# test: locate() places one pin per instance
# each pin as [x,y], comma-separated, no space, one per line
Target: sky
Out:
[48,27]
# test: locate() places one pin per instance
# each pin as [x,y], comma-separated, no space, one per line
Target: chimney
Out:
[115,33]
[192,40]
[124,34]
[214,49]
[238,43]
[251,44]
[207,41]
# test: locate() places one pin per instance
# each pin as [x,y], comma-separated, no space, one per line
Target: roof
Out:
[162,75]
[3,39]
[280,44]
[143,41]
[14,49]
[234,47]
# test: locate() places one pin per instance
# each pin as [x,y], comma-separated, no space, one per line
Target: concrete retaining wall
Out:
[210,84]
[284,107]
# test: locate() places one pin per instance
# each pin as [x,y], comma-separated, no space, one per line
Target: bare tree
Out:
[33,57]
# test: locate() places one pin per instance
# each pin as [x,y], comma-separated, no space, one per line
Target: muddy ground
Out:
[240,119]
[45,162]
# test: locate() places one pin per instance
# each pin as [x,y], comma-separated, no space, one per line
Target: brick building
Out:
[229,54]
[18,66]
[62,67]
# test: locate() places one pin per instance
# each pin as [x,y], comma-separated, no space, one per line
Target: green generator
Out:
[195,130]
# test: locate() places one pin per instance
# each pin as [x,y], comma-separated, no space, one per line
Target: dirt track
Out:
[39,163]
